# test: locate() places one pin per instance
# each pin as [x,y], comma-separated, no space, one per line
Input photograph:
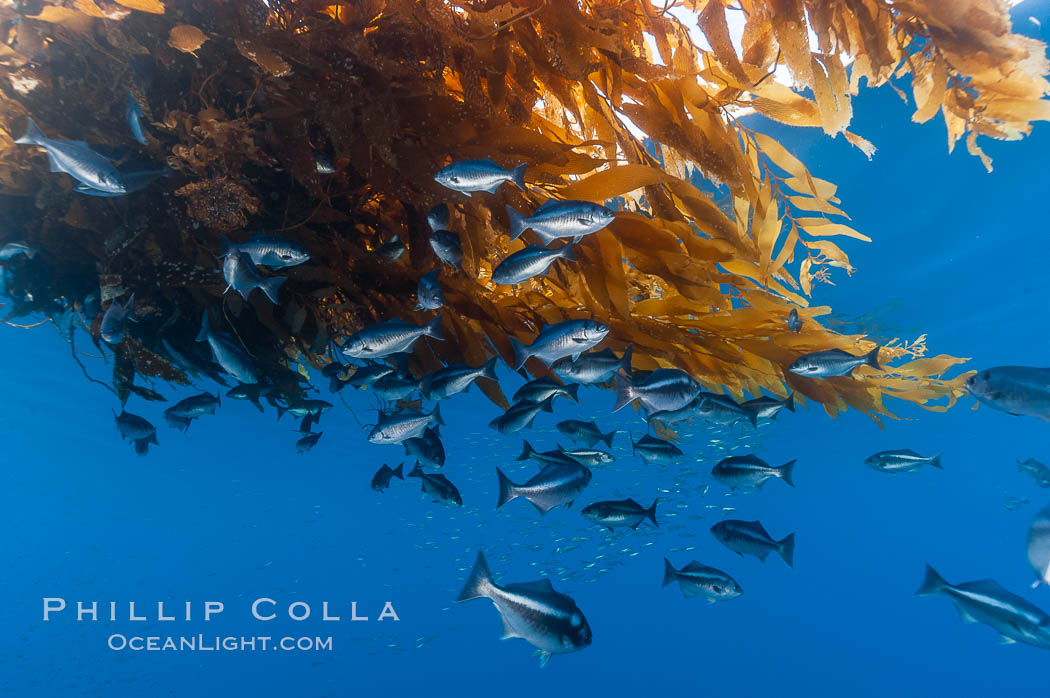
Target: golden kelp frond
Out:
[635,103]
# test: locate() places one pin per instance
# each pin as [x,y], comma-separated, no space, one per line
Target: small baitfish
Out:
[454,379]
[592,367]
[653,450]
[429,295]
[751,538]
[390,337]
[228,355]
[567,338]
[542,388]
[114,321]
[561,219]
[471,176]
[750,471]
[586,433]
[308,441]
[555,485]
[396,427]
[833,362]
[1039,473]
[1016,390]
[901,461]
[533,611]
[532,261]
[381,480]
[267,251]
[520,415]
[620,513]
[427,448]
[448,248]
[78,160]
[437,486]
[243,277]
[700,580]
[1039,547]
[186,410]
[663,390]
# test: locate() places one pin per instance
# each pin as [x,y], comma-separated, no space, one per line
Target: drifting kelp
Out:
[604,100]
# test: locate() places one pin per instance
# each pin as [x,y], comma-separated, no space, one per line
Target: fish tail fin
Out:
[436,415]
[786,471]
[521,353]
[507,489]
[270,287]
[399,471]
[932,584]
[416,471]
[624,391]
[625,361]
[573,389]
[526,450]
[479,582]
[517,175]
[548,404]
[567,253]
[433,329]
[517,223]
[786,548]
[607,438]
[936,462]
[205,327]
[670,573]
[872,358]
[651,512]
[218,401]
[790,402]
[33,134]
[489,369]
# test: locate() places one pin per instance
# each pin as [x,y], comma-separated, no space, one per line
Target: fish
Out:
[249,391]
[1016,390]
[302,408]
[1039,547]
[561,219]
[392,249]
[323,164]
[142,445]
[653,450]
[620,513]
[670,417]
[390,337]
[567,338]
[587,456]
[592,367]
[14,249]
[307,442]
[833,362]
[986,601]
[77,159]
[448,248]
[665,389]
[586,433]
[429,295]
[472,176]
[437,486]
[333,369]
[267,251]
[750,471]
[454,379]
[722,409]
[427,448]
[228,355]
[381,480]
[766,407]
[438,218]
[700,580]
[542,388]
[794,322]
[520,415]
[1039,473]
[532,611]
[901,461]
[531,261]
[544,458]
[364,376]
[133,113]
[186,410]
[133,427]
[242,276]
[113,322]
[751,538]
[556,485]
[395,427]
[395,387]
[133,182]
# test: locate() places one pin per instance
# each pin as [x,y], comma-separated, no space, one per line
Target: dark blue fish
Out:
[133,113]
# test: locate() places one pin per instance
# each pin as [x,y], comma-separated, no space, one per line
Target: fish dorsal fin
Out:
[546,206]
[694,566]
[757,526]
[989,587]
[646,439]
[540,585]
[605,353]
[631,502]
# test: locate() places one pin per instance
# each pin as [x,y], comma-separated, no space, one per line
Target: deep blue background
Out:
[230,512]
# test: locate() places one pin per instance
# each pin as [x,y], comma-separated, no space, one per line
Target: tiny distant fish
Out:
[427,448]
[455,379]
[901,461]
[794,322]
[520,415]
[323,163]
[1039,547]
[587,456]
[243,277]
[750,471]
[542,388]
[1017,390]
[267,251]
[429,295]
[447,247]
[381,480]
[365,376]
[620,513]
[438,218]
[561,219]
[390,337]
[227,354]
[722,409]
[394,387]
[700,580]
[567,338]
[392,249]
[833,362]
[592,367]
[986,601]
[134,115]
[543,458]
[437,486]
[1039,473]
[133,427]
[664,389]
[1014,503]
[586,433]
[307,442]
[533,611]
[113,322]
[471,176]
[751,538]
[396,427]
[532,261]
[186,410]
[13,249]
[653,450]
[766,407]
[77,159]
[557,484]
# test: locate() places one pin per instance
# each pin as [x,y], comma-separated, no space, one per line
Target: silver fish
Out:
[134,114]
[985,601]
[751,538]
[1039,473]
[307,442]
[227,354]
[394,387]
[186,410]
[620,513]
[901,461]
[544,458]
[555,485]
[670,417]
[13,249]
[77,159]
[592,367]
[302,408]
[438,218]
[700,580]
[447,247]
[664,389]
[833,362]
[427,448]
[454,379]
[133,182]
[396,427]
[437,486]
[567,338]
[655,451]
[533,611]
[542,388]
[381,480]
[529,262]
[1039,547]
[586,433]
[794,323]
[429,295]
[132,426]
[766,407]
[470,176]
[365,376]
[113,322]
[750,471]
[587,456]
[722,409]
[242,276]
[561,219]
[390,337]
[267,251]
[1017,390]
[520,415]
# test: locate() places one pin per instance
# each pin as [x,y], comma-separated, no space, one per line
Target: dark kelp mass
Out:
[323,123]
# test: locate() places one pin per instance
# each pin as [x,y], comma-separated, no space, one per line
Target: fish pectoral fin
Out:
[1006,640]
[545,657]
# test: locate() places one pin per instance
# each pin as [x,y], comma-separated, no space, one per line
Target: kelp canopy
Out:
[604,99]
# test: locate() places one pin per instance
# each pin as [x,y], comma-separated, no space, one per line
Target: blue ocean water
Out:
[229,512]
